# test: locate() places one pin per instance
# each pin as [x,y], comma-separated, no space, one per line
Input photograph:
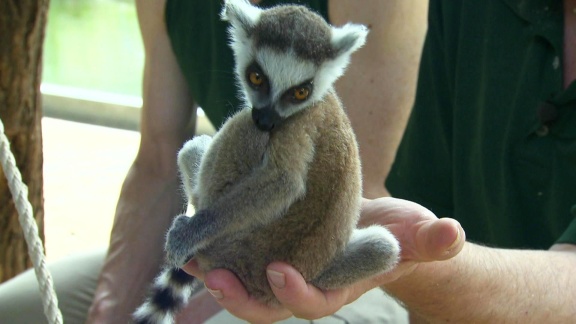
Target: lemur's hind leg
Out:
[189,158]
[371,251]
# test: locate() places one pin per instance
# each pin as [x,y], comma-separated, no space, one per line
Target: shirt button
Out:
[542,131]
[556,63]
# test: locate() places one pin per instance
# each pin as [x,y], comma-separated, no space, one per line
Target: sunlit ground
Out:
[84,166]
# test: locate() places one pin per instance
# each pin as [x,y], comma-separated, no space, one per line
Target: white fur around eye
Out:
[284,69]
[244,55]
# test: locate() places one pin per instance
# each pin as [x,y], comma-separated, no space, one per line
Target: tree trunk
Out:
[22,25]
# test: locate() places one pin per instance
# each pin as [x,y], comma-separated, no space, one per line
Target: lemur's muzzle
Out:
[266,118]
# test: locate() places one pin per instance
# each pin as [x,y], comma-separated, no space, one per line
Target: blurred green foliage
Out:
[94,44]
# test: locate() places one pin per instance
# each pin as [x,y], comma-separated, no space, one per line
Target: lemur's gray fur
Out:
[281,180]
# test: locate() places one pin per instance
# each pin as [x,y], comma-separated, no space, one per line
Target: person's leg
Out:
[75,281]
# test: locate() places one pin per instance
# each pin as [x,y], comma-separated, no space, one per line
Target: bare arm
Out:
[150,196]
[379,86]
[487,285]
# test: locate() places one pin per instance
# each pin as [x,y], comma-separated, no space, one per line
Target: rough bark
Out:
[22,26]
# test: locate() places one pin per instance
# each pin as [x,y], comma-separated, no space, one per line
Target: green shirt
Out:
[476,147]
[200,42]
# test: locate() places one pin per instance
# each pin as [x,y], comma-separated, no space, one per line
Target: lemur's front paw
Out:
[178,241]
[185,237]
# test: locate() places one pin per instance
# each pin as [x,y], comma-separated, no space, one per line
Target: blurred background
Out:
[93,61]
[91,93]
[95,45]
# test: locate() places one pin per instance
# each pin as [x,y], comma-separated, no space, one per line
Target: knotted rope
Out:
[35,248]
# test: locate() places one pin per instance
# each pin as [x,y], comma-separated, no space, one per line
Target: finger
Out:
[392,211]
[439,239]
[192,268]
[231,294]
[303,299]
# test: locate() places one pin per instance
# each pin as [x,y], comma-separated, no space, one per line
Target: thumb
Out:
[439,239]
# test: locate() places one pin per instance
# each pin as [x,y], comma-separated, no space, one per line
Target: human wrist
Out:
[147,204]
[434,289]
[374,190]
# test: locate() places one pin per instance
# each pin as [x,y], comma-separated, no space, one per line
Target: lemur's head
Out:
[287,57]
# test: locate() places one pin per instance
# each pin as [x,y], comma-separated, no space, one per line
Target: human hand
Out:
[422,236]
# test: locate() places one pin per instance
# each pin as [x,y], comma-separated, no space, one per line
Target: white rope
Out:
[35,248]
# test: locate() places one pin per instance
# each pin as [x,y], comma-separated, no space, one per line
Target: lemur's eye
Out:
[255,78]
[298,94]
[301,93]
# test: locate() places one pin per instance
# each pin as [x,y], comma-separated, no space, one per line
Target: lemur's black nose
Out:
[265,118]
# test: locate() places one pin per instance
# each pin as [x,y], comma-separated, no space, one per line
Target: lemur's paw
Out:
[180,241]
[378,246]
[187,235]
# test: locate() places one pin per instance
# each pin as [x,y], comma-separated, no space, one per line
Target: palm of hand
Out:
[422,235]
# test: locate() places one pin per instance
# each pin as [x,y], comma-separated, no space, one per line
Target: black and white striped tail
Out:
[169,293]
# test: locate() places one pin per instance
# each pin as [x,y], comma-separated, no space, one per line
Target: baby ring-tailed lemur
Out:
[281,180]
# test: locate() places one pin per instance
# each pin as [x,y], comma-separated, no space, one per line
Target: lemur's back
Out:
[315,227]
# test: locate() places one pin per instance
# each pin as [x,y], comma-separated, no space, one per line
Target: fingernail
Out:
[278,279]
[216,293]
[455,243]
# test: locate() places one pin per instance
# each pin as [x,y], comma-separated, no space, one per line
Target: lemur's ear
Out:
[348,38]
[241,14]
[344,41]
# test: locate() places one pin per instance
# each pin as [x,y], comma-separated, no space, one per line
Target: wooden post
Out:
[22,27]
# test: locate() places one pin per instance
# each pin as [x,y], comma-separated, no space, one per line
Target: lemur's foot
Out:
[186,236]
[179,241]
[370,251]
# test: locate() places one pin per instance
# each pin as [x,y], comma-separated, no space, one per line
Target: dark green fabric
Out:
[200,42]
[474,148]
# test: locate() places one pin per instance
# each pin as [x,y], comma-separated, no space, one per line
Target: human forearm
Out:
[379,86]
[151,194]
[135,252]
[486,285]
